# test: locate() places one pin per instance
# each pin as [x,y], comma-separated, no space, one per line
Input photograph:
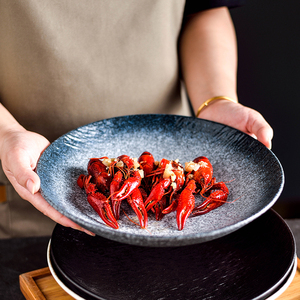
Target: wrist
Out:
[211,100]
[8,125]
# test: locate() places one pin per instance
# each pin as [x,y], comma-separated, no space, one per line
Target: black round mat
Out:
[251,263]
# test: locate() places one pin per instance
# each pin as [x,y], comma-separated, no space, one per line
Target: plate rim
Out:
[179,240]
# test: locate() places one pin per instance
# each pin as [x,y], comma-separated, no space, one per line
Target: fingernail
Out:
[30,186]
[84,230]
[270,145]
[89,232]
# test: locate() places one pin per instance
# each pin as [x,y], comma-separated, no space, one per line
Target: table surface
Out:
[21,255]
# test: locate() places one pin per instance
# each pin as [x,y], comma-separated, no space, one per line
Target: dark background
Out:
[268,33]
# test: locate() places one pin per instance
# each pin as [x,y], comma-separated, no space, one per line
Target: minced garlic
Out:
[136,164]
[168,172]
[107,161]
[191,166]
[190,176]
[174,185]
[120,164]
[141,173]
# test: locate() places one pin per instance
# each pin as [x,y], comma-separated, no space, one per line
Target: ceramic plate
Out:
[255,262]
[253,174]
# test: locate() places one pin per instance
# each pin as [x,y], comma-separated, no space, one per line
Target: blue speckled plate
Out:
[254,174]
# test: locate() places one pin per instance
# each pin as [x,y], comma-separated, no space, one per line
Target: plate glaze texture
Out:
[252,173]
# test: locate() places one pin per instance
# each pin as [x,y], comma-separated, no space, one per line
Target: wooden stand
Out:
[40,285]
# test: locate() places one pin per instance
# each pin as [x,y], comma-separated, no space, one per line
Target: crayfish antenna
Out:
[234,200]
[135,222]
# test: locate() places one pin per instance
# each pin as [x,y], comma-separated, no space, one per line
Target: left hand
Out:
[19,152]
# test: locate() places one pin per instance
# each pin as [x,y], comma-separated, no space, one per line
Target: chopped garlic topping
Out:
[202,164]
[180,168]
[168,172]
[107,161]
[119,164]
[141,173]
[190,176]
[136,164]
[191,166]
[174,185]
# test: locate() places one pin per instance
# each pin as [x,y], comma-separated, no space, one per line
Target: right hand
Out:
[19,152]
[240,117]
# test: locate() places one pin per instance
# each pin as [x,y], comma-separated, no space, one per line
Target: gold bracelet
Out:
[213,99]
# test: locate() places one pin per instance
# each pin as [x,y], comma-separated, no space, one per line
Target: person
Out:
[67,63]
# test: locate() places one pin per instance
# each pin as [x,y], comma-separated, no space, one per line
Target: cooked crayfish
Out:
[168,179]
[217,196]
[186,203]
[161,187]
[98,201]
[109,182]
[202,172]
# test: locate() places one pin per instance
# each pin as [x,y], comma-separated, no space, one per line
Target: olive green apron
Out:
[66,63]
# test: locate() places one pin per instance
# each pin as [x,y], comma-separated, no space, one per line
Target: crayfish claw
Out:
[217,196]
[157,193]
[186,203]
[136,202]
[129,185]
[101,205]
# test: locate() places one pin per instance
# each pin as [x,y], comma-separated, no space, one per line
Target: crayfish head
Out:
[147,162]
[127,160]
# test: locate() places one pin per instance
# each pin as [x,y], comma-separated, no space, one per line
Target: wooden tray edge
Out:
[28,285]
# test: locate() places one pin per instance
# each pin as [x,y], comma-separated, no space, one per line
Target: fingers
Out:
[21,167]
[32,185]
[265,135]
[258,126]
[20,152]
[27,183]
[42,205]
[240,117]
[19,156]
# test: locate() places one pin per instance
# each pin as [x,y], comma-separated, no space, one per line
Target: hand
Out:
[240,117]
[19,152]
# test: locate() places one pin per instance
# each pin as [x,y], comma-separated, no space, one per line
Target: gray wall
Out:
[268,33]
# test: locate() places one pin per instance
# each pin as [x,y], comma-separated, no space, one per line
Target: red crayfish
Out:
[161,187]
[109,182]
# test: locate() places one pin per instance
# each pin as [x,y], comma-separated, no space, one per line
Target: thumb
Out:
[33,183]
[263,132]
[24,175]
